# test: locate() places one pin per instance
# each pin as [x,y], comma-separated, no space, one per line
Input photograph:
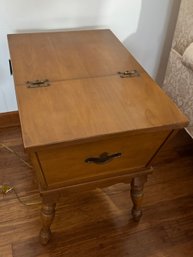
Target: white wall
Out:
[141,25]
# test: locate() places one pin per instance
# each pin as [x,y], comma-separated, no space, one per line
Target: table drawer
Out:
[104,158]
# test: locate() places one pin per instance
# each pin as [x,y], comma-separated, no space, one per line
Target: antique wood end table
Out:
[90,115]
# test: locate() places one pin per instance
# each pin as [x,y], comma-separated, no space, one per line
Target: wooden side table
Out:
[90,115]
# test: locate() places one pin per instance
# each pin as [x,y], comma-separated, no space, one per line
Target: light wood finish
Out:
[87,110]
[9,119]
[136,150]
[98,222]
[6,251]
[137,185]
[84,108]
[69,55]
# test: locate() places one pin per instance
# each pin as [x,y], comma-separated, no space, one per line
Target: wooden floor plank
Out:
[98,223]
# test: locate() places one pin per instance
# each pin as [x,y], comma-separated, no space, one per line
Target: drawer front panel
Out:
[99,159]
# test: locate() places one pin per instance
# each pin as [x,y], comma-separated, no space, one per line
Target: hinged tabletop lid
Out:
[75,86]
[81,109]
[67,55]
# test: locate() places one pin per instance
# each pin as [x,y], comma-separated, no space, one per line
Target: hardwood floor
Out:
[98,223]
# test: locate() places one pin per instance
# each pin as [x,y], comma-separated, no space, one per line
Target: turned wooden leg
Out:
[137,185]
[47,216]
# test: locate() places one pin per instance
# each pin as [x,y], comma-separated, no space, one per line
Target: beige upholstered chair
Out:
[178,83]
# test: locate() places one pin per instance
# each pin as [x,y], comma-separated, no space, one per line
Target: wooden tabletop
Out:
[68,55]
[86,98]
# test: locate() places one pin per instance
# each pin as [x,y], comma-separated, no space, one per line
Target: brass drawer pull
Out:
[103,158]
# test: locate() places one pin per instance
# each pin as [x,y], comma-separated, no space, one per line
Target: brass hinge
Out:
[129,74]
[38,83]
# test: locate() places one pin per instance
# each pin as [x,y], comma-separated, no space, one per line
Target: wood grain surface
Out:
[70,55]
[97,223]
[92,108]
[86,98]
[67,165]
